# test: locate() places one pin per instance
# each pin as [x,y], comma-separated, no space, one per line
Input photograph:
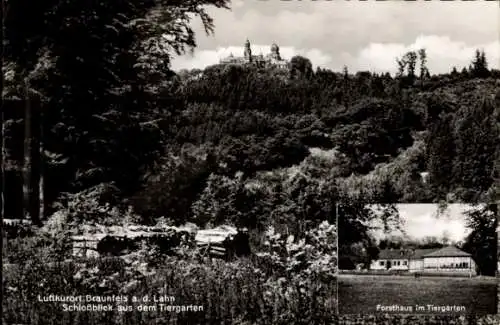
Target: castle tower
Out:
[275,52]
[248,51]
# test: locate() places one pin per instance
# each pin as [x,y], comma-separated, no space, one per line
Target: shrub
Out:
[314,255]
[93,206]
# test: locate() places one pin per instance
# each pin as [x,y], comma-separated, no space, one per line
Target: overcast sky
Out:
[363,35]
[422,220]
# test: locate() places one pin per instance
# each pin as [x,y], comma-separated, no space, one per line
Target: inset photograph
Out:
[418,259]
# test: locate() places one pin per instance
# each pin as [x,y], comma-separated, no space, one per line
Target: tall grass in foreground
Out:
[230,293]
[292,283]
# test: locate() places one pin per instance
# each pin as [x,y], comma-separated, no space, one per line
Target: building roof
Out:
[413,254]
[420,253]
[393,254]
[449,251]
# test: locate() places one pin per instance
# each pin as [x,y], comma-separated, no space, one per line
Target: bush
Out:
[45,247]
[95,205]
[314,255]
[238,292]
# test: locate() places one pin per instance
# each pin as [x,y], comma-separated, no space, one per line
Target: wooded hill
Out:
[255,147]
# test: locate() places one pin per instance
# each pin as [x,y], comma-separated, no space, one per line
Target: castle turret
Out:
[275,52]
[248,51]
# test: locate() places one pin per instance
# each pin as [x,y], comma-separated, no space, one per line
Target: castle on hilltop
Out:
[273,59]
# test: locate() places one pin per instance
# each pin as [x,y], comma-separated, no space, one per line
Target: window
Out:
[382,263]
[405,262]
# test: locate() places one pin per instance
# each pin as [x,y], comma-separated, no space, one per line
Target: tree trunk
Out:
[41,182]
[4,160]
[31,208]
[35,162]
[27,155]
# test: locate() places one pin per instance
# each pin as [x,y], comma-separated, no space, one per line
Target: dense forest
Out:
[97,127]
[254,146]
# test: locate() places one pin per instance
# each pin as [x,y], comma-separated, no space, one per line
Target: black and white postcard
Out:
[208,162]
[418,259]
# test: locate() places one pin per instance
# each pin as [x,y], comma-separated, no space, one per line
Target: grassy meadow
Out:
[361,294]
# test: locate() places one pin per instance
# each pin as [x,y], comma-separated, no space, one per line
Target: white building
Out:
[391,259]
[447,259]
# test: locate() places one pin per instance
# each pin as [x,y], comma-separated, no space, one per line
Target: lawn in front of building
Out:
[360,294]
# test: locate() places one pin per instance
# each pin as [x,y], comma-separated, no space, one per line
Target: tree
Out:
[477,135]
[355,243]
[480,65]
[411,59]
[402,63]
[407,62]
[445,238]
[482,241]
[33,194]
[301,67]
[174,186]
[220,201]
[373,126]
[423,64]
[430,242]
[440,155]
[377,87]
[92,65]
[22,145]
[345,72]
